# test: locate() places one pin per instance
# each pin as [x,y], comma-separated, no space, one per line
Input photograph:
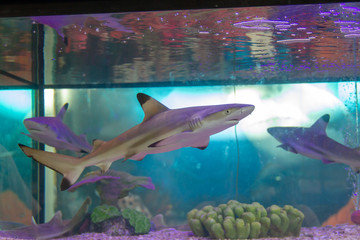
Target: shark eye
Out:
[227,112]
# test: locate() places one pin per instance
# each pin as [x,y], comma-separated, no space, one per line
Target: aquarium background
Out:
[294,63]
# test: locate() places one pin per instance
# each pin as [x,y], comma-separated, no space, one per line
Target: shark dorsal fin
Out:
[321,124]
[150,106]
[62,111]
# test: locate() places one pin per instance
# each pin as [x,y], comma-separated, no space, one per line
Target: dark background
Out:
[18,8]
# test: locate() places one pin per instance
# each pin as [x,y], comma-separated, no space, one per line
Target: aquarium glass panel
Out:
[16,200]
[15,51]
[165,112]
[280,44]
[242,162]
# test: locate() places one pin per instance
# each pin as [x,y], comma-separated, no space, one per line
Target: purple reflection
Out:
[60,22]
[352,9]
[261,24]
[355,35]
[295,40]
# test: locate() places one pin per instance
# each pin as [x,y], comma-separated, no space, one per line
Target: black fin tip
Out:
[142,98]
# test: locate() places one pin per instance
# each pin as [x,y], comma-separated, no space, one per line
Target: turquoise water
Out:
[189,177]
[294,64]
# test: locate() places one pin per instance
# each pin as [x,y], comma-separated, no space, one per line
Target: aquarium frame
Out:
[37,169]
[17,8]
[37,83]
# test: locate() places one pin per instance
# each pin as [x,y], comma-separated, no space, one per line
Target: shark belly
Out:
[133,144]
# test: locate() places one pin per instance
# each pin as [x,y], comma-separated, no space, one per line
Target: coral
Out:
[113,185]
[137,220]
[239,220]
[115,226]
[104,212]
[109,220]
[134,201]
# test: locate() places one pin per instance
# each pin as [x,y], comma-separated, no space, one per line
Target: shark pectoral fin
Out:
[129,154]
[326,161]
[97,143]
[287,147]
[62,111]
[104,166]
[202,144]
[150,106]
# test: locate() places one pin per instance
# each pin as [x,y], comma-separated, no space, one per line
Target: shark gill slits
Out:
[142,98]
[195,123]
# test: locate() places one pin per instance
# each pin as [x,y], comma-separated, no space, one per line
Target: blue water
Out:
[242,163]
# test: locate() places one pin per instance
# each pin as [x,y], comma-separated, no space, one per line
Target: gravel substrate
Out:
[339,232]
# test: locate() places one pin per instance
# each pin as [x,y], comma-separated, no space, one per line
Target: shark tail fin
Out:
[70,167]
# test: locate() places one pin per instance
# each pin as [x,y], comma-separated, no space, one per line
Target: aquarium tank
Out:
[156,115]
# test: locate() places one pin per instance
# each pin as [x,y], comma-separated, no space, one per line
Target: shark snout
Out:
[242,112]
[249,109]
[272,131]
[32,125]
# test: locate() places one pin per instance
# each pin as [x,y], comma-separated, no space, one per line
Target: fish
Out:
[50,230]
[162,130]
[53,132]
[313,142]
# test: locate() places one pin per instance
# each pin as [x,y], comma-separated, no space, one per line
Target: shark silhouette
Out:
[53,132]
[313,142]
[162,130]
[50,230]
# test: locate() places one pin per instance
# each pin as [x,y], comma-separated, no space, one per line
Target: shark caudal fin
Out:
[70,167]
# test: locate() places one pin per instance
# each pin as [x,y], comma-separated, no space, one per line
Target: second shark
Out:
[313,142]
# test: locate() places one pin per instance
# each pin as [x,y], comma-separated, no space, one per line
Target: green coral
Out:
[236,220]
[104,212]
[137,220]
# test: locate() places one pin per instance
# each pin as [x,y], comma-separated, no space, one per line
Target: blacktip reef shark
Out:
[53,132]
[313,142]
[161,130]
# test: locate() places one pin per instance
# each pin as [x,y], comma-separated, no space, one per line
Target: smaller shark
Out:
[313,142]
[50,230]
[53,132]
